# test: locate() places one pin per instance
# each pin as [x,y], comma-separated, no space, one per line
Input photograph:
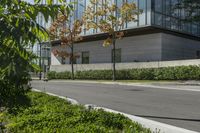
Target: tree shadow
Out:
[169,118]
[18,103]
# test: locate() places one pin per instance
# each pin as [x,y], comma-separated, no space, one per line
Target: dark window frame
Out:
[86,59]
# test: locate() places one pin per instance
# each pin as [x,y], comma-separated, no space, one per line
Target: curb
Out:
[154,126]
[72,101]
[195,83]
[147,85]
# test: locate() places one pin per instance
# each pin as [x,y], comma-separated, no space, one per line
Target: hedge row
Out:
[167,73]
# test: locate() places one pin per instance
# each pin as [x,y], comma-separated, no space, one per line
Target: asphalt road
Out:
[180,108]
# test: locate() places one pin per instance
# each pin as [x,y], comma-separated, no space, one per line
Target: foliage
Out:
[167,73]
[51,114]
[109,18]
[68,33]
[60,75]
[19,31]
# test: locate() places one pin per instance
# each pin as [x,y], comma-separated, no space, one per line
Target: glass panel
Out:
[174,24]
[148,15]
[158,19]
[91,31]
[81,8]
[167,7]
[133,24]
[85,57]
[142,17]
[167,21]
[174,11]
[158,6]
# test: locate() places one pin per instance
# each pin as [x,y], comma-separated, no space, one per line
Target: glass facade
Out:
[166,15]
[160,13]
[142,19]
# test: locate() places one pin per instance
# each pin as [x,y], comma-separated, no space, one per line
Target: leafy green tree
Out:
[19,31]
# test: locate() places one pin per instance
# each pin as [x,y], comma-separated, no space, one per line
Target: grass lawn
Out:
[41,113]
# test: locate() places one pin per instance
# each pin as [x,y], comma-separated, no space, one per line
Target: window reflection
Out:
[160,13]
[166,15]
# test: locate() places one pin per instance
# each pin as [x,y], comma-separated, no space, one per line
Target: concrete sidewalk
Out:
[173,84]
[134,82]
[168,85]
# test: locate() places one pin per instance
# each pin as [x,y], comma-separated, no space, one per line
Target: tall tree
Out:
[110,18]
[20,30]
[68,33]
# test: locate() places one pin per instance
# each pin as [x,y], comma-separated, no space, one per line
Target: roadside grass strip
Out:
[50,113]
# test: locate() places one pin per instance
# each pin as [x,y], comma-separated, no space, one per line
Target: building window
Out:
[74,61]
[158,6]
[117,55]
[62,60]
[198,54]
[85,57]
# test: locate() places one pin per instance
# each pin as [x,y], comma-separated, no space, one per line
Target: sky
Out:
[31,1]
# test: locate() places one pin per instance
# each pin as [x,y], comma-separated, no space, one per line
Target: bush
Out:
[50,114]
[167,73]
[59,75]
[51,75]
[63,75]
[94,74]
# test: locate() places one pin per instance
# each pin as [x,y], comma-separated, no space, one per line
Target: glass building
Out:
[43,50]
[160,33]
[159,13]
[165,15]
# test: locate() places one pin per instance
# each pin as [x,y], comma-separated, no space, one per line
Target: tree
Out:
[68,33]
[109,18]
[19,31]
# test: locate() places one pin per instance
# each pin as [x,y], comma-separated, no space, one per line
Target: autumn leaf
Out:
[107,42]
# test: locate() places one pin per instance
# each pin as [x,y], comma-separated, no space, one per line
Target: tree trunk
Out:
[72,61]
[40,62]
[113,54]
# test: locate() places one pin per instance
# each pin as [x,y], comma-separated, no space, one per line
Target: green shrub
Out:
[51,75]
[50,114]
[59,75]
[167,73]
[122,74]
[94,74]
[63,75]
